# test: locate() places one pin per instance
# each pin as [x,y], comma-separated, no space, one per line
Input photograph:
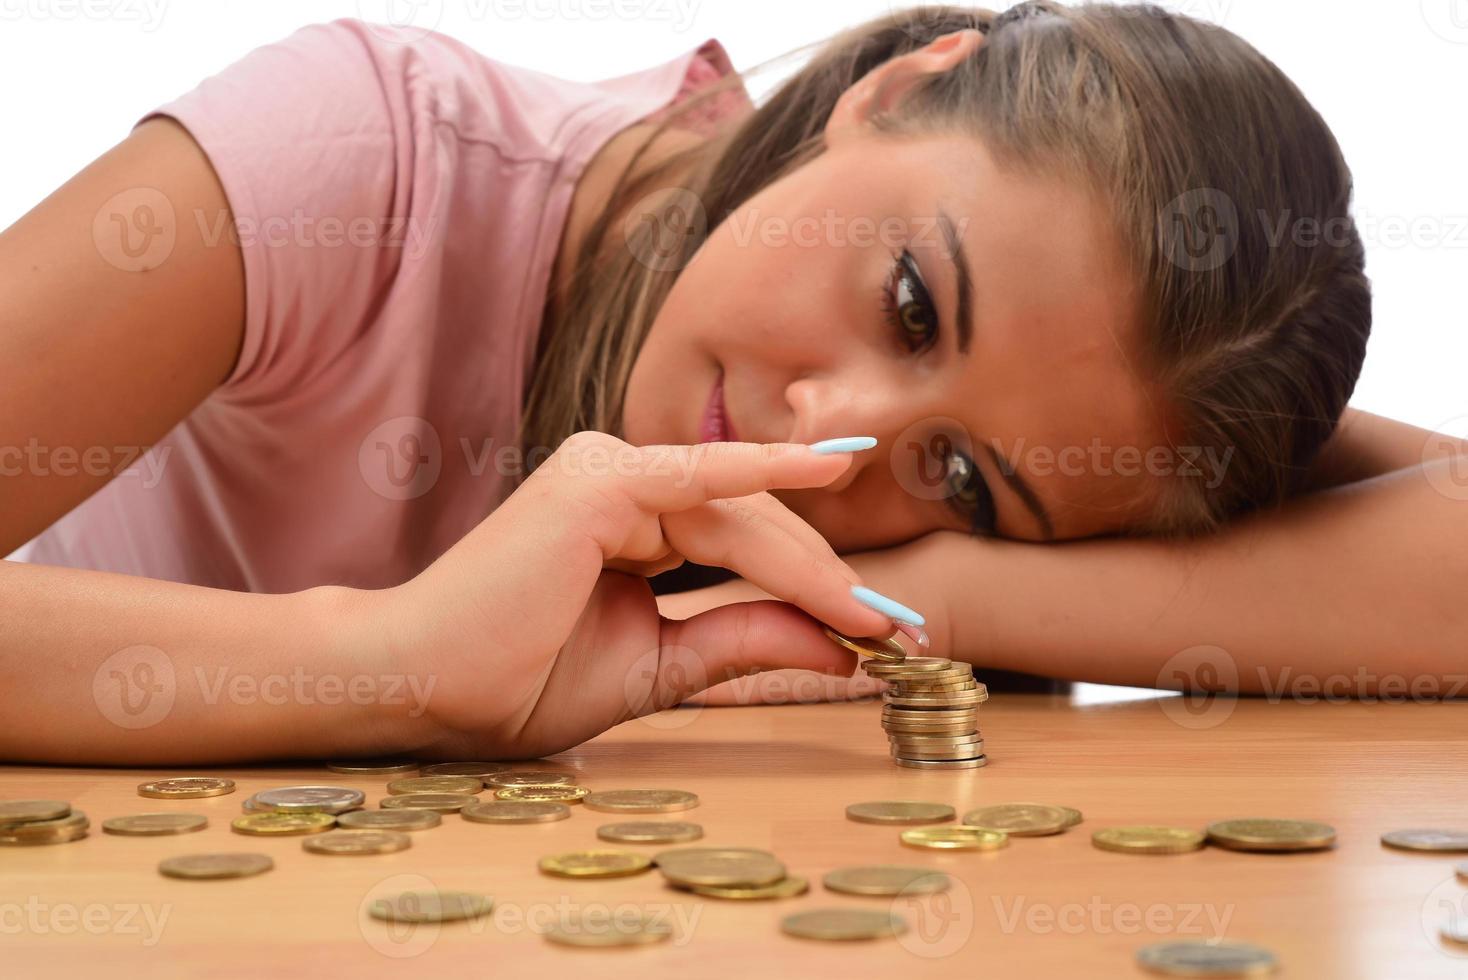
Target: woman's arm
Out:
[1366,445]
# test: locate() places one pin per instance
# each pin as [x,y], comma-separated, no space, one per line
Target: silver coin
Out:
[304,799]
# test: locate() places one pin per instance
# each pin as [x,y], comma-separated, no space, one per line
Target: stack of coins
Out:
[931,710]
[26,822]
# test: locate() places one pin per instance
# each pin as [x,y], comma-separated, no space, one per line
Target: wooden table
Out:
[780,778]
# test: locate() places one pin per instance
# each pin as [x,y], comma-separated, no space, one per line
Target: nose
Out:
[829,406]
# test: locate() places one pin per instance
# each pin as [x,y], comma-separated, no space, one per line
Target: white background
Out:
[1389,77]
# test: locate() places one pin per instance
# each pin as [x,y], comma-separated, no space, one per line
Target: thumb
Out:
[744,638]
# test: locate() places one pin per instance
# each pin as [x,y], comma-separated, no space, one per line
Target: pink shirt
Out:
[398,206]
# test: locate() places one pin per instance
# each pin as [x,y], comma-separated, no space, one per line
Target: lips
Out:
[714,426]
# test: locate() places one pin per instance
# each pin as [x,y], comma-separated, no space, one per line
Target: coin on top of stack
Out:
[930,711]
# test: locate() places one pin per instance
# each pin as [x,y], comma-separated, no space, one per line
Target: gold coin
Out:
[899,812]
[843,924]
[282,824]
[1271,835]
[1148,840]
[650,832]
[215,865]
[1454,931]
[886,879]
[441,802]
[515,811]
[960,750]
[373,767]
[1020,819]
[15,812]
[389,820]
[1213,959]
[430,907]
[954,838]
[155,824]
[308,799]
[978,763]
[481,770]
[1427,840]
[787,887]
[436,784]
[358,842]
[640,800]
[957,699]
[543,794]
[61,830]
[578,929]
[595,864]
[1072,816]
[887,650]
[186,787]
[529,777]
[719,866]
[911,665]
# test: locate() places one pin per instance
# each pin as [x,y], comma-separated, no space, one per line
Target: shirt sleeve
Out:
[322,142]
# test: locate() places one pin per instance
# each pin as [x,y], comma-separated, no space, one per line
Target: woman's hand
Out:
[540,631]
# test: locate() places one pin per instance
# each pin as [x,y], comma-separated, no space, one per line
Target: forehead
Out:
[1054,383]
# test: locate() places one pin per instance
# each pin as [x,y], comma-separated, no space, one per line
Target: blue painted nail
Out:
[849,444]
[890,607]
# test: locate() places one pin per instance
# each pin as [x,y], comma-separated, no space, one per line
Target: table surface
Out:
[780,777]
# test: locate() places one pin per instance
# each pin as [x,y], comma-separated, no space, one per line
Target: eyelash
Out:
[904,270]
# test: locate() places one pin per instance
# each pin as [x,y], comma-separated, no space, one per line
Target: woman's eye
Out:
[908,305]
[970,496]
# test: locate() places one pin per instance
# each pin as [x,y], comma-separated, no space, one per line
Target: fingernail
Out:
[917,633]
[848,444]
[882,604]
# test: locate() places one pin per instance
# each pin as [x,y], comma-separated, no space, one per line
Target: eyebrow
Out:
[959,258]
[1023,491]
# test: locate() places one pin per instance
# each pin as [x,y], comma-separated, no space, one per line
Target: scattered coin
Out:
[1271,835]
[1148,840]
[1072,815]
[358,842]
[155,824]
[389,820]
[60,830]
[956,837]
[577,929]
[441,802]
[725,867]
[1427,840]
[282,824]
[787,887]
[16,812]
[595,864]
[529,777]
[309,799]
[481,770]
[436,784]
[373,767]
[186,787]
[428,906]
[843,924]
[886,880]
[650,832]
[640,800]
[1021,819]
[887,650]
[1200,959]
[215,865]
[899,812]
[543,794]
[515,811]
[1462,870]
[1455,930]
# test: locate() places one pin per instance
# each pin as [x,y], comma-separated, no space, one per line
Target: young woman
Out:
[441,359]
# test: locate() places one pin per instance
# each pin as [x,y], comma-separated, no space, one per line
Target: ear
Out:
[885,86]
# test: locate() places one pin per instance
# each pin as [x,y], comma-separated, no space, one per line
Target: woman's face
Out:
[834,303]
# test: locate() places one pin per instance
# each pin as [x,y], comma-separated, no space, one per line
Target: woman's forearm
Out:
[97,668]
[1365,446]
[1361,582]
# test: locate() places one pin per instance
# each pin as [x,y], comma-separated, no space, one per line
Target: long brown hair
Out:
[1228,191]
